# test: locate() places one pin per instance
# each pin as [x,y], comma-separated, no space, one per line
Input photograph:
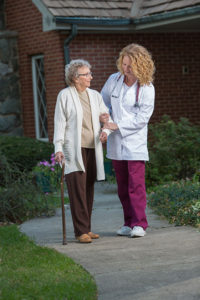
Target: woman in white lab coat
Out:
[129,95]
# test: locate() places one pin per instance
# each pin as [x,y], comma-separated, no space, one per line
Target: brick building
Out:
[50,33]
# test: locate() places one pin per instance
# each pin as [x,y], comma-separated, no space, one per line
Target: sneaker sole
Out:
[137,235]
[123,234]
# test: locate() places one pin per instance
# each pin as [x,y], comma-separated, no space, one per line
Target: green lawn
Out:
[28,271]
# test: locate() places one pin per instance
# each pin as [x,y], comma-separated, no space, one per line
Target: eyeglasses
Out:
[86,74]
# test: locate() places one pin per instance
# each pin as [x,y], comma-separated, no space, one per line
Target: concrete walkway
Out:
[163,265]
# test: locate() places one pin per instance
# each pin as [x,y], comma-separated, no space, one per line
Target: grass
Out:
[28,271]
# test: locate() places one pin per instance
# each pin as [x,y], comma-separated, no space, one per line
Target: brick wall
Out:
[25,18]
[177,94]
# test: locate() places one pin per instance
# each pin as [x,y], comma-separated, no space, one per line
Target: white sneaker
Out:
[137,231]
[124,230]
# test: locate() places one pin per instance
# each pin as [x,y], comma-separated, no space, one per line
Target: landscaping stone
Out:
[10,102]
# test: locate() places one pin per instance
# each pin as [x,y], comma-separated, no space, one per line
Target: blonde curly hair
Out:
[142,64]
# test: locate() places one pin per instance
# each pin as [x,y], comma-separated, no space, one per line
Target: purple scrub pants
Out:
[130,177]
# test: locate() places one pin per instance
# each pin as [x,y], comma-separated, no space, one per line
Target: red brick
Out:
[176,94]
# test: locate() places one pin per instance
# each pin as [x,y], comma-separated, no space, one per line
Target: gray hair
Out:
[71,69]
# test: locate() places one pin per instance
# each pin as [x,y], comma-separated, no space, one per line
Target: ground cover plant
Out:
[21,199]
[172,175]
[29,272]
[55,198]
[174,150]
[178,201]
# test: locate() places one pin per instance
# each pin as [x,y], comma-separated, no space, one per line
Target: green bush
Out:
[174,151]
[178,201]
[20,199]
[24,152]
[8,173]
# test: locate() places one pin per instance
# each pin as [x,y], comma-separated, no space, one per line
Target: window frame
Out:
[36,99]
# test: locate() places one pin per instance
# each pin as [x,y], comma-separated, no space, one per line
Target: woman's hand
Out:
[103,137]
[104,118]
[111,126]
[59,156]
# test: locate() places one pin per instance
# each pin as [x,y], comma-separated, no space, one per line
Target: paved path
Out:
[163,265]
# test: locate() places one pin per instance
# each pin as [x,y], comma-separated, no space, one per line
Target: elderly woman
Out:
[129,94]
[78,140]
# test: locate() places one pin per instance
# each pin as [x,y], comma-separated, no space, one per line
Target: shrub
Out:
[24,152]
[20,199]
[174,151]
[178,201]
[7,173]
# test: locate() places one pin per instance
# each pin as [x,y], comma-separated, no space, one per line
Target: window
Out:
[39,95]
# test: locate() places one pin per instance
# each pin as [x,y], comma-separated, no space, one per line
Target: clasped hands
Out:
[104,118]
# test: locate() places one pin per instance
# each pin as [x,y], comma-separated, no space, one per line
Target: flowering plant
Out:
[48,172]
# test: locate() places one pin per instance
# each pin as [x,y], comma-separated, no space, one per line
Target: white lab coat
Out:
[68,126]
[130,141]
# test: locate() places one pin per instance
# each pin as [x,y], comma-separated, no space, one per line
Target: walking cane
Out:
[62,204]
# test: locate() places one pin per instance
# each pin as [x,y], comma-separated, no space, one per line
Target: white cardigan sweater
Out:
[68,126]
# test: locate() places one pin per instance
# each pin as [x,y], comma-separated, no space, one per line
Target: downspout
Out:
[67,42]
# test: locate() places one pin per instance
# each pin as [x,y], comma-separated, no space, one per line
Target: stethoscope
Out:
[137,92]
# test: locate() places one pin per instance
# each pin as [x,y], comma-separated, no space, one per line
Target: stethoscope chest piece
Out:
[136,104]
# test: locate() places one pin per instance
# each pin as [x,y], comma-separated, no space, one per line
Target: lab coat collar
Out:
[118,86]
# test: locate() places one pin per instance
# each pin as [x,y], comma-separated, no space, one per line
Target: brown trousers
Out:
[81,192]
